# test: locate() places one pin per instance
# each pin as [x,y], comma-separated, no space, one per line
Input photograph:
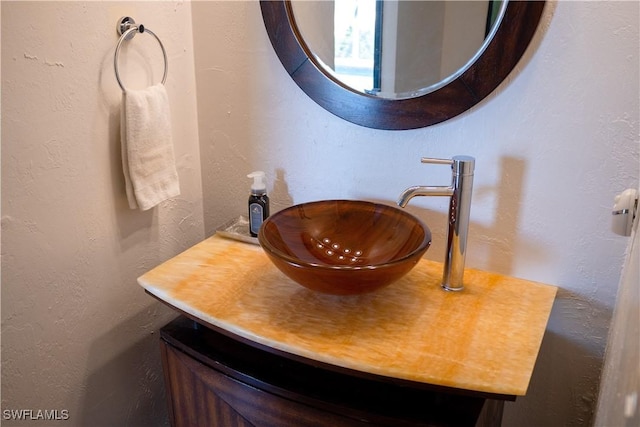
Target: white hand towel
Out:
[147,148]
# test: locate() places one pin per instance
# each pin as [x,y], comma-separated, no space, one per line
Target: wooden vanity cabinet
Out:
[213,379]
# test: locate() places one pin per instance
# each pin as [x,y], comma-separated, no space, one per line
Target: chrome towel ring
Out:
[127,29]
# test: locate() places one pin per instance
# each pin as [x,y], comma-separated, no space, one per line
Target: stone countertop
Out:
[485,338]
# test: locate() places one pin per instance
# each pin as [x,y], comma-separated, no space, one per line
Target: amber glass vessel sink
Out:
[344,247]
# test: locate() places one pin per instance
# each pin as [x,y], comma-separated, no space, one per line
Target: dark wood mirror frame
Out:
[502,54]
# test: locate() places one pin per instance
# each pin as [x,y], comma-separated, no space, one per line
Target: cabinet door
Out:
[201,396]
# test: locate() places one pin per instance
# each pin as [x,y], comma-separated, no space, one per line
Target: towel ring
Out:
[127,28]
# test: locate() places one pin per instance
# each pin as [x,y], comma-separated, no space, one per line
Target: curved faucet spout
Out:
[417,190]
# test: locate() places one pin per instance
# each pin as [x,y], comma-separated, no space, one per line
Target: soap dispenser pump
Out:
[258,202]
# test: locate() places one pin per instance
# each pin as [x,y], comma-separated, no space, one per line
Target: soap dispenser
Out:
[258,202]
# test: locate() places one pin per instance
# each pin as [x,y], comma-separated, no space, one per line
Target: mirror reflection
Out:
[396,49]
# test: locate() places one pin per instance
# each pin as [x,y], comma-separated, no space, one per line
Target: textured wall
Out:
[554,145]
[78,333]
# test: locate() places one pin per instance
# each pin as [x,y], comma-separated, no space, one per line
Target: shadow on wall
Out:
[500,238]
[280,197]
[125,386]
[566,373]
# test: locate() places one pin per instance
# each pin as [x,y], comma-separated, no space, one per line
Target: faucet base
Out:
[452,289]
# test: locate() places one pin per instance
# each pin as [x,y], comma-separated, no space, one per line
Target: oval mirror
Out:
[306,44]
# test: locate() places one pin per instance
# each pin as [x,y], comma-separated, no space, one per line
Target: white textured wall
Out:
[78,333]
[553,145]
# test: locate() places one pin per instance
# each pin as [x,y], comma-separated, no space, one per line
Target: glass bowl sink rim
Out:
[424,244]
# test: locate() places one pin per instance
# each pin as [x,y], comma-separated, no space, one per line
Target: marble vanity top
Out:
[485,338]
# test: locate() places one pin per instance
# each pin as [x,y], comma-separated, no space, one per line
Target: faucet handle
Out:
[434,161]
[460,165]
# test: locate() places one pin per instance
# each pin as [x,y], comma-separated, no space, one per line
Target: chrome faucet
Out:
[459,207]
